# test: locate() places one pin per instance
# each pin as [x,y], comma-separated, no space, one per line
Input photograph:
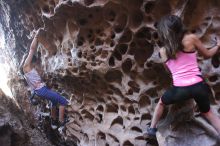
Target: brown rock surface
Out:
[15,129]
[101,54]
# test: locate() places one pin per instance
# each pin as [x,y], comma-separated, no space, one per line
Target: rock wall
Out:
[15,129]
[100,54]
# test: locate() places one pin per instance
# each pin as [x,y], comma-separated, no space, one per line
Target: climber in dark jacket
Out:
[31,74]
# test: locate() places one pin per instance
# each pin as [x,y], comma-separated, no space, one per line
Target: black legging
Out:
[199,91]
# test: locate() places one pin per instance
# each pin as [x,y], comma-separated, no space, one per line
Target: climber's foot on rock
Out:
[54,124]
[62,127]
[150,133]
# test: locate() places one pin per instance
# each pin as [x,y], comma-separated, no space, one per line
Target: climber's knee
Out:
[161,102]
[59,100]
[62,101]
[54,103]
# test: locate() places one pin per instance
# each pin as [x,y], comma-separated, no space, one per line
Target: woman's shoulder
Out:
[30,71]
[190,37]
[189,41]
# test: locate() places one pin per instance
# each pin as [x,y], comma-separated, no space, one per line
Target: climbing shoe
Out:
[54,124]
[61,127]
[150,133]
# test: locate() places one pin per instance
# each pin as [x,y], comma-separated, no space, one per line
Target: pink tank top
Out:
[184,69]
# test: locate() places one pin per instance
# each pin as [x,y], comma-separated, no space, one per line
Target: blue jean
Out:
[54,97]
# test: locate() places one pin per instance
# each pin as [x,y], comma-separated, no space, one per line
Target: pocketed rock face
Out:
[101,54]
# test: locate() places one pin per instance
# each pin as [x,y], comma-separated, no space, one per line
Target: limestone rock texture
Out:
[102,56]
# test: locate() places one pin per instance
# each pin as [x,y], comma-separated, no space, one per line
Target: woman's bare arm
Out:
[27,62]
[201,48]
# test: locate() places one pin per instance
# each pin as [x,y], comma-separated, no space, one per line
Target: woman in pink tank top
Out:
[179,55]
